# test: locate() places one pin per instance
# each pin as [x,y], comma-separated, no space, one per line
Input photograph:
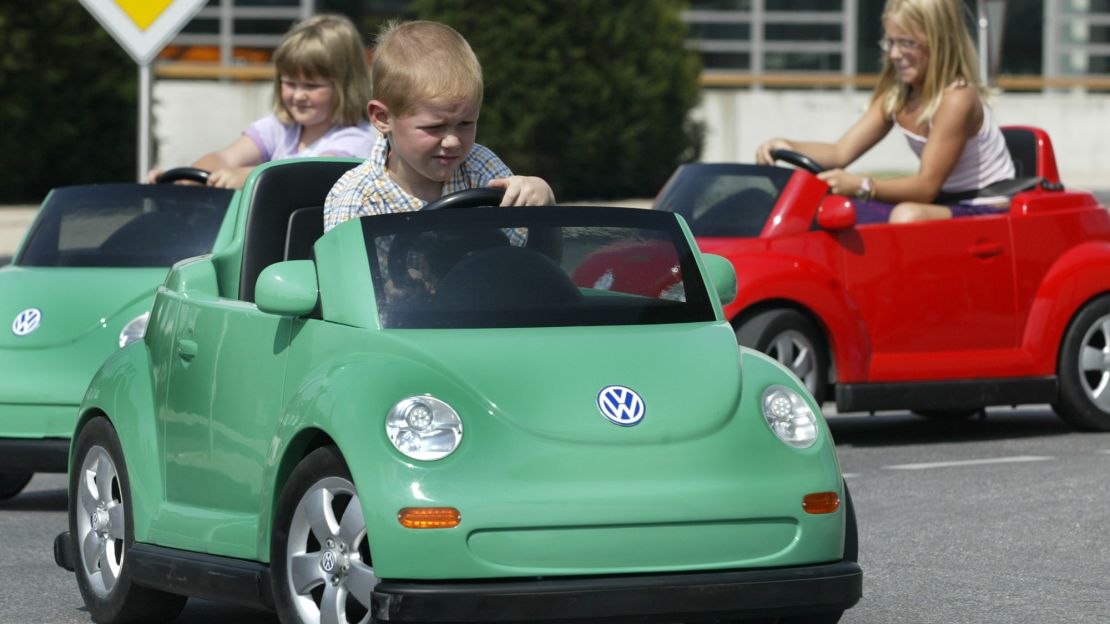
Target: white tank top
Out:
[984,161]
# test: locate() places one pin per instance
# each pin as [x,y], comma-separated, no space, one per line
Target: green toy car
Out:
[79,288]
[451,415]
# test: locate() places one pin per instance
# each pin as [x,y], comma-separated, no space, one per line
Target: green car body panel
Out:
[81,275]
[221,400]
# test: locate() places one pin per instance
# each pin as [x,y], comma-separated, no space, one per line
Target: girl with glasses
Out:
[930,89]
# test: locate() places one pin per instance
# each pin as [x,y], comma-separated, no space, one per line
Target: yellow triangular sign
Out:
[143,12]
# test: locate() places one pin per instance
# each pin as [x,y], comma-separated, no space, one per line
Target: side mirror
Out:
[836,212]
[723,277]
[288,288]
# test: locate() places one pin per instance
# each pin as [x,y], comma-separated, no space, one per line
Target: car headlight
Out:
[423,427]
[789,416]
[134,330]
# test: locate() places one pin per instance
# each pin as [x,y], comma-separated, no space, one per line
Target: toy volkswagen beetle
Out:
[80,287]
[429,416]
[941,317]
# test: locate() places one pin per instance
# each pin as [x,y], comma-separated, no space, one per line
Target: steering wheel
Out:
[468,198]
[797,159]
[187,174]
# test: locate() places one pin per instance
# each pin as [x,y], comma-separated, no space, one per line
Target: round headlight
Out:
[789,416]
[423,427]
[133,331]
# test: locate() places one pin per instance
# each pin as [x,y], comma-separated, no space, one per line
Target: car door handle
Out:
[186,349]
[986,249]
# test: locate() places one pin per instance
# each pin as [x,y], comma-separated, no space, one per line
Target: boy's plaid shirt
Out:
[368,189]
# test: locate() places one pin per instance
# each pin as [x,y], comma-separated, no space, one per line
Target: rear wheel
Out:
[102,529]
[1084,369]
[319,551]
[12,483]
[791,338]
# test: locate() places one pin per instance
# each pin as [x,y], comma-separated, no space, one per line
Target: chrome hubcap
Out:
[794,351]
[100,520]
[328,577]
[1094,363]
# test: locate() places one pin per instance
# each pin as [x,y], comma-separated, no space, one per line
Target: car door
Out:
[937,298]
[220,409]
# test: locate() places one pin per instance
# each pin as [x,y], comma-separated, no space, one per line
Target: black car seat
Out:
[279,191]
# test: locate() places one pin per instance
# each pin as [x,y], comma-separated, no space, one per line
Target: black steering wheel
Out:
[797,159]
[468,198]
[184,174]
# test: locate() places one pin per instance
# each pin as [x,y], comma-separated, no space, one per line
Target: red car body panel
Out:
[977,298]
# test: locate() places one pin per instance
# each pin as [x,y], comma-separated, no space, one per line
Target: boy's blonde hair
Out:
[419,61]
[329,47]
[952,55]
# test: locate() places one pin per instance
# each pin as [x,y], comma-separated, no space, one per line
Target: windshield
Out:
[724,199]
[125,225]
[533,267]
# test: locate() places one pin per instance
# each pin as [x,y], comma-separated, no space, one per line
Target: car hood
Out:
[73,303]
[548,380]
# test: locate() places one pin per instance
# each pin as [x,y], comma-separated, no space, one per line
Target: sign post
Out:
[143,28]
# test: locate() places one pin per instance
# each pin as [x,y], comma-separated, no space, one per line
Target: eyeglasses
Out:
[906,45]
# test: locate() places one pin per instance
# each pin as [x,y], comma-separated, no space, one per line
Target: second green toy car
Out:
[79,288]
[436,416]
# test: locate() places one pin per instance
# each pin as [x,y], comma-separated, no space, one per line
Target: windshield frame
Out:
[688,185]
[62,202]
[697,304]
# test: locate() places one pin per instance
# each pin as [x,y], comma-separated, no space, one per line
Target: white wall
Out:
[192,118]
[195,117]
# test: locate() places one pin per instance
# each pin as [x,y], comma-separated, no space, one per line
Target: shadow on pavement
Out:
[37,500]
[894,428]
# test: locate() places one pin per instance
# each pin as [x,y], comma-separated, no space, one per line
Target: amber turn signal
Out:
[429,517]
[821,502]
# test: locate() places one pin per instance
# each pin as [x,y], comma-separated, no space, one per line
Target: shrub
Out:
[68,100]
[593,96]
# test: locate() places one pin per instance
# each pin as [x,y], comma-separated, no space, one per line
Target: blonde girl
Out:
[321,87]
[931,91]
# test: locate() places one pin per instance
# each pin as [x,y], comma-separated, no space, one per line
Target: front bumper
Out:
[774,592]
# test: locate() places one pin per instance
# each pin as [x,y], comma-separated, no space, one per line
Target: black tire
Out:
[1083,371]
[99,500]
[791,338]
[12,483]
[321,483]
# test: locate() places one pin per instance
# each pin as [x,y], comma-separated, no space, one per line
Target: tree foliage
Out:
[68,100]
[593,96]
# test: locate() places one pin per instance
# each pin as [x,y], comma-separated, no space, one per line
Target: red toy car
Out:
[941,317]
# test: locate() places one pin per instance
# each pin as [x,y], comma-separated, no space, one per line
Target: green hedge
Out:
[68,100]
[592,95]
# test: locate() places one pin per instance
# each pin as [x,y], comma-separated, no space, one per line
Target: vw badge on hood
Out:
[621,405]
[26,321]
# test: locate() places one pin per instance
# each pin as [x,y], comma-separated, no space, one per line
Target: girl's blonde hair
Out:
[952,55]
[328,47]
[419,61]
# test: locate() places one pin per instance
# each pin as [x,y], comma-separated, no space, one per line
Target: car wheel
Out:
[321,557]
[102,529]
[792,339]
[1083,371]
[12,483]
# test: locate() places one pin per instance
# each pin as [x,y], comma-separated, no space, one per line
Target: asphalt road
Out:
[1000,520]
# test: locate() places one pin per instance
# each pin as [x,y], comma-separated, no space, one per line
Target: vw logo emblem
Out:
[621,405]
[26,321]
[328,562]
